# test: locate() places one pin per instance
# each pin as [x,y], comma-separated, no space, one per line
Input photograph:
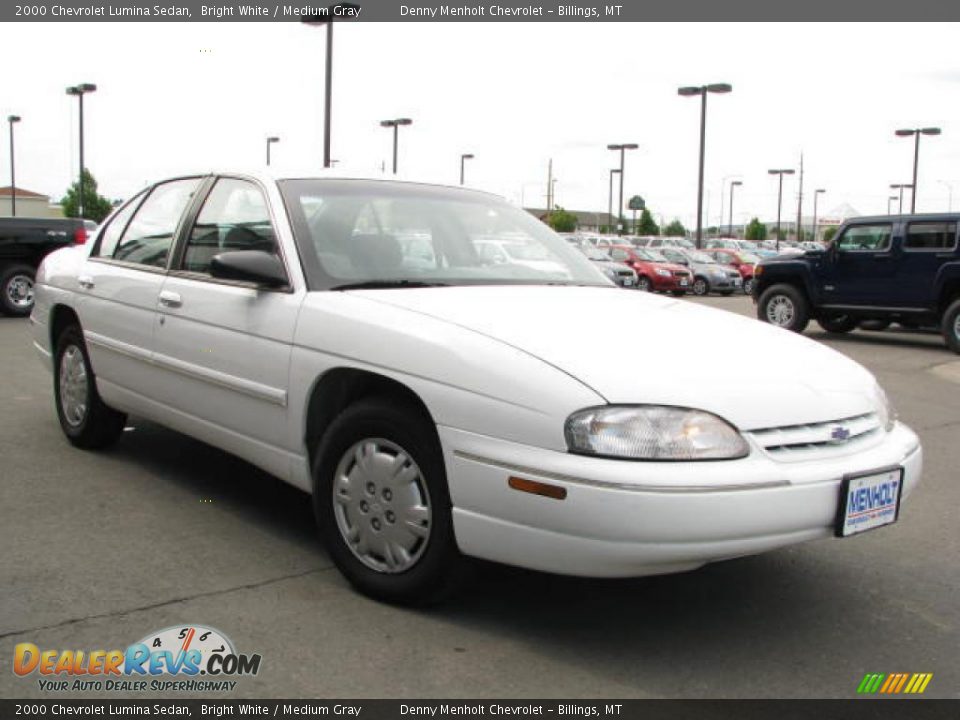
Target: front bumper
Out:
[672,282]
[622,518]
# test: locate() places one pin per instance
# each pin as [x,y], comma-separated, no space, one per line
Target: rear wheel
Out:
[951,326]
[85,419]
[16,290]
[643,283]
[784,306]
[875,325]
[382,503]
[837,323]
[700,287]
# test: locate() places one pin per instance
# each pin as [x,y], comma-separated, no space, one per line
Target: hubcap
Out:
[382,506]
[20,291]
[74,386]
[780,311]
[700,287]
[644,284]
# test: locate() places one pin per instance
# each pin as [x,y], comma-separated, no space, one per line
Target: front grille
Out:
[681,274]
[624,273]
[815,440]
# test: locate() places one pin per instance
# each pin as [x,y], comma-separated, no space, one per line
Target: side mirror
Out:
[254,266]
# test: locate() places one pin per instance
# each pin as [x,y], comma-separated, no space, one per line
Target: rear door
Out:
[925,246]
[223,347]
[861,267]
[120,281]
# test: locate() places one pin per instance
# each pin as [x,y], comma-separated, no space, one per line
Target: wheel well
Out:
[764,285]
[951,292]
[60,317]
[339,388]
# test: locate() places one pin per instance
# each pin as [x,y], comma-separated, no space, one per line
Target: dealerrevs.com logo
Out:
[192,658]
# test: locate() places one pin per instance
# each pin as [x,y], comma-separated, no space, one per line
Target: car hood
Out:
[633,347]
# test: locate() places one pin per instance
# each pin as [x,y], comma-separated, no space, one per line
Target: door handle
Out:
[86,282]
[170,299]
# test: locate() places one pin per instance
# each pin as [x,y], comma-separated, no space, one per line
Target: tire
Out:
[951,326]
[643,283]
[700,287]
[16,290]
[85,419]
[748,286]
[837,323]
[419,567]
[875,325]
[786,303]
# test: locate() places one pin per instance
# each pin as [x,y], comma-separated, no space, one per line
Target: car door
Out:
[223,347]
[925,246]
[860,267]
[119,283]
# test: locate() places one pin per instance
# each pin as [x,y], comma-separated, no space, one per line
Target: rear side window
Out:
[234,217]
[149,235]
[866,238]
[113,231]
[931,236]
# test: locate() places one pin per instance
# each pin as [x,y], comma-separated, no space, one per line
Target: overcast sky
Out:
[201,96]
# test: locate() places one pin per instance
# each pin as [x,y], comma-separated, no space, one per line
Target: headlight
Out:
[885,410]
[662,273]
[609,272]
[653,432]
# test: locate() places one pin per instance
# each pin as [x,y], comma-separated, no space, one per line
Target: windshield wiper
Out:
[387,285]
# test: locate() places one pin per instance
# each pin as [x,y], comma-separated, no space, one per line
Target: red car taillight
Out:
[80,235]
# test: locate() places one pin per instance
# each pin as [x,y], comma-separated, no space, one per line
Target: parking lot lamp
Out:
[621,147]
[613,171]
[79,91]
[916,133]
[270,141]
[733,186]
[463,158]
[900,187]
[395,124]
[816,196]
[12,119]
[701,91]
[780,173]
[890,200]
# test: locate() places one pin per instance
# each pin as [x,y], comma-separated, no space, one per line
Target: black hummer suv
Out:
[877,270]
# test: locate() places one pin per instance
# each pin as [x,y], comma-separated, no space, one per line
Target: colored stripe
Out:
[903,679]
[914,682]
[877,679]
[926,681]
[865,683]
[890,680]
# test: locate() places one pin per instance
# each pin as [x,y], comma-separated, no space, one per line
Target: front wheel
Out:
[951,326]
[85,419]
[700,287]
[784,306]
[748,286]
[16,290]
[382,503]
[643,283]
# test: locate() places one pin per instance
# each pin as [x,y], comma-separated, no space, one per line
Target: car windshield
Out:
[651,256]
[357,233]
[699,257]
[684,243]
[596,254]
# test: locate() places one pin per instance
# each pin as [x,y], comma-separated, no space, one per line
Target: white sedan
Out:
[438,405]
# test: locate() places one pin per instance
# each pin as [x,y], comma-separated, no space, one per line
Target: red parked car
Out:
[743,261]
[654,271]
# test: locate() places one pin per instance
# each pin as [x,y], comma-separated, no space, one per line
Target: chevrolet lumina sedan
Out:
[350,337]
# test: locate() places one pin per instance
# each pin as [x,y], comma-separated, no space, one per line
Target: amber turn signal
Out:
[537,488]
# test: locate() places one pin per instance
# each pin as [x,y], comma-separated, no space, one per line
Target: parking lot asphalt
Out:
[99,549]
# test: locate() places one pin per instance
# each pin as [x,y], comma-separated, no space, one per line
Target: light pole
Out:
[735,184]
[395,124]
[816,196]
[950,194]
[613,171]
[780,173]
[621,147]
[702,90]
[325,16]
[890,200]
[13,169]
[270,141]
[900,187]
[916,133]
[80,91]
[463,159]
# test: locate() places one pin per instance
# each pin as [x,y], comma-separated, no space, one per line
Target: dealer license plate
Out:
[683,283]
[627,282]
[869,501]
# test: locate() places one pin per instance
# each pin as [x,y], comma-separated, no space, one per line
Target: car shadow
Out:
[908,338]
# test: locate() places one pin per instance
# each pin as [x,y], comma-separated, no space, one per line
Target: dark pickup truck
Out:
[24,242]
[903,268]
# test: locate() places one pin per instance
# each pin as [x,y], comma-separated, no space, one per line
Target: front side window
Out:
[113,231]
[148,237]
[865,238]
[353,232]
[233,217]
[931,236]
